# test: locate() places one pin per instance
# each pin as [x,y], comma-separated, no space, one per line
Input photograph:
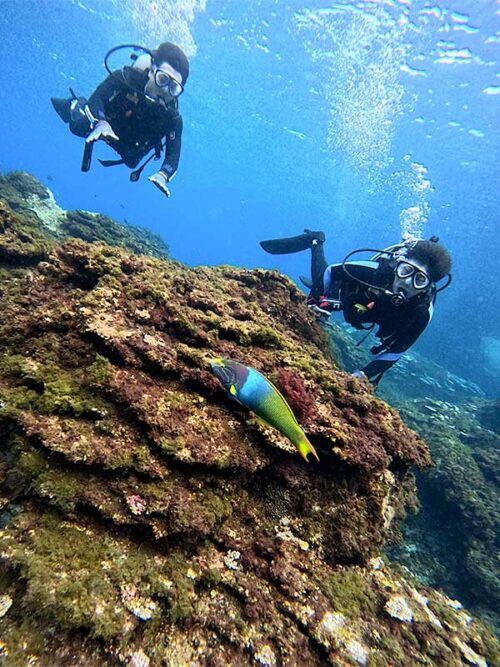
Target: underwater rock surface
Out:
[25,194]
[147,520]
[453,541]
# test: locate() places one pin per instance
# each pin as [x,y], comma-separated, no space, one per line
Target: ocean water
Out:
[365,119]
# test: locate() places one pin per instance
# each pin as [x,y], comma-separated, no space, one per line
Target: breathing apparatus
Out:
[397,255]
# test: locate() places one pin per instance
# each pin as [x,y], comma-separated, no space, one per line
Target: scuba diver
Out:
[135,110]
[395,290]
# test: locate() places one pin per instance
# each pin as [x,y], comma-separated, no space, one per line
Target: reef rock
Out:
[147,520]
[25,194]
[454,543]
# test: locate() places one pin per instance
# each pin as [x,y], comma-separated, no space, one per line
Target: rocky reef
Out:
[147,520]
[453,541]
[25,194]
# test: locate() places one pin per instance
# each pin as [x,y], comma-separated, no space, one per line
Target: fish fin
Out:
[305,448]
[263,422]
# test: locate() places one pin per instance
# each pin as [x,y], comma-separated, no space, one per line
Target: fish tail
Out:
[305,448]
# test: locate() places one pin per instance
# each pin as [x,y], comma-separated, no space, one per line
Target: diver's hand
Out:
[160,179]
[102,130]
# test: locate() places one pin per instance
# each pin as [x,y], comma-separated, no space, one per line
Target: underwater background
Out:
[364,119]
[147,520]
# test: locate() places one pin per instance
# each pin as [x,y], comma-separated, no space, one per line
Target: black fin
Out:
[293,243]
[285,246]
[306,281]
[62,107]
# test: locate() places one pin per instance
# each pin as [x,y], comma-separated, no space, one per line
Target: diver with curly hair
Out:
[395,290]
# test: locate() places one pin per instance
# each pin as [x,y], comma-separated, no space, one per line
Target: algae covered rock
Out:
[454,541]
[26,195]
[145,519]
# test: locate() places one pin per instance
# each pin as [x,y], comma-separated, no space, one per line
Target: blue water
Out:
[350,117]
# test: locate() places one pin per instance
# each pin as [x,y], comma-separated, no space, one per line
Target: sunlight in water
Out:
[363,54]
[165,20]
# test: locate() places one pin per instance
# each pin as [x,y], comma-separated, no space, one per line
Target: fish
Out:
[256,393]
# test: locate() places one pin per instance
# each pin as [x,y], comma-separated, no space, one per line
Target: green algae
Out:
[59,487]
[349,593]
[78,575]
[269,338]
[48,389]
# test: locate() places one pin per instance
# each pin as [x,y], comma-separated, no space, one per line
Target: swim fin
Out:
[293,243]
[307,282]
[62,107]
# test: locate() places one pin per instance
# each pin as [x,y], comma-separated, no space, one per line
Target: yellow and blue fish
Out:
[257,393]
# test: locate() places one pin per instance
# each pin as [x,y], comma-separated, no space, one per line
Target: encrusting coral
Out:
[147,520]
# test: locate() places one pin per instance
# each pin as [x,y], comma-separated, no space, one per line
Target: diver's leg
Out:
[293,243]
[80,120]
[318,267]
[72,110]
[62,107]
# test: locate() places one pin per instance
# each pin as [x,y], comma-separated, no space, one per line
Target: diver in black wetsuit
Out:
[135,110]
[395,290]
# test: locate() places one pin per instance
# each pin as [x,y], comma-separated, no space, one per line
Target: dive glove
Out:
[160,179]
[102,130]
[320,306]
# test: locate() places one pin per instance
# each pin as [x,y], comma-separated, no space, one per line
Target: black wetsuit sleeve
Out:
[103,92]
[173,139]
[393,345]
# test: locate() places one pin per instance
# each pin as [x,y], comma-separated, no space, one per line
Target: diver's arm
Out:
[393,347]
[172,147]
[172,154]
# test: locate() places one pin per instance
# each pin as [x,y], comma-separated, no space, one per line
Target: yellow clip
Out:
[360,308]
[232,390]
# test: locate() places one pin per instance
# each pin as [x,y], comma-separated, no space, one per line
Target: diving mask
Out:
[164,80]
[406,269]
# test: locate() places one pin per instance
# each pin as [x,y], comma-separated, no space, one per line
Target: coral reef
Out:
[147,520]
[26,195]
[452,543]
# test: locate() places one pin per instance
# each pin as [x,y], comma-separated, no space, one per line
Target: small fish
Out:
[255,392]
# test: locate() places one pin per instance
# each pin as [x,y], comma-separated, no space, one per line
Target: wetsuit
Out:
[140,124]
[365,307]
